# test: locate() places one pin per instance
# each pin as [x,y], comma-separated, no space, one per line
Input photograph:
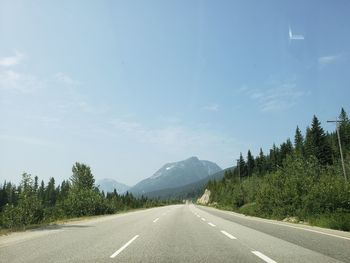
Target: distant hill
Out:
[189,191]
[177,174]
[108,185]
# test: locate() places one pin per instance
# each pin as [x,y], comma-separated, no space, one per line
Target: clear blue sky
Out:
[126,86]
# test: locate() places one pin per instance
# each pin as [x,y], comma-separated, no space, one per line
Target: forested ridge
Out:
[302,179]
[33,203]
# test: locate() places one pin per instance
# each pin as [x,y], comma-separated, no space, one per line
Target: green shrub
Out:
[248,209]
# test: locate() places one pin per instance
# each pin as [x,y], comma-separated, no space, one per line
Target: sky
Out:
[127,86]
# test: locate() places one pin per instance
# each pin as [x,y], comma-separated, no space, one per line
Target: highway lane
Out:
[179,233]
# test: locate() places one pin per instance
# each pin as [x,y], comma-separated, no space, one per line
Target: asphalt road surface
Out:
[178,233]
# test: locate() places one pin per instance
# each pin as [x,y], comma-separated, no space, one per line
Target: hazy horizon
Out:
[127,86]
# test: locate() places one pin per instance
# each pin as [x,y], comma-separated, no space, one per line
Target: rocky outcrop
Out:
[204,200]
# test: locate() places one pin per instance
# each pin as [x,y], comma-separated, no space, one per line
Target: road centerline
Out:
[124,247]
[203,219]
[228,235]
[211,224]
[263,257]
[155,220]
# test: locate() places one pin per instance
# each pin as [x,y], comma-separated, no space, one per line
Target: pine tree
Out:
[63,191]
[41,191]
[286,149]
[3,196]
[36,185]
[242,166]
[344,131]
[50,193]
[250,163]
[274,158]
[261,163]
[299,142]
[316,143]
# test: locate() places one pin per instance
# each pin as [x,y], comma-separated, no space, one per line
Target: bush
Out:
[29,211]
[248,209]
[84,202]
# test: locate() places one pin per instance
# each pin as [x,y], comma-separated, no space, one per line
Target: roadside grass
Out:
[339,220]
[248,209]
[61,221]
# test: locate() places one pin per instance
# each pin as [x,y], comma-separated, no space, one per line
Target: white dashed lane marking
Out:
[124,247]
[263,257]
[227,234]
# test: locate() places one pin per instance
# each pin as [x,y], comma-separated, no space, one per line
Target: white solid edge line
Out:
[123,247]
[228,235]
[263,257]
[155,220]
[295,227]
[310,230]
[203,218]
[211,224]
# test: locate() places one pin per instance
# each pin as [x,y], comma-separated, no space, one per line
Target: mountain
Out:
[108,185]
[176,174]
[189,191]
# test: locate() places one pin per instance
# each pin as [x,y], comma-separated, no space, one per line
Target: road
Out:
[178,233]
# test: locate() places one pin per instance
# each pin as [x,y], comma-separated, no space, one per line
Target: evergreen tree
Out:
[41,191]
[242,166]
[308,145]
[3,196]
[50,193]
[250,163]
[299,142]
[316,143]
[36,185]
[63,193]
[27,184]
[286,149]
[274,158]
[261,163]
[344,131]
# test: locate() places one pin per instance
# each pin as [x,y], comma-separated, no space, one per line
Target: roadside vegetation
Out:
[300,181]
[33,203]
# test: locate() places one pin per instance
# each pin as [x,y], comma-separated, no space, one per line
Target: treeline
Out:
[302,181]
[33,203]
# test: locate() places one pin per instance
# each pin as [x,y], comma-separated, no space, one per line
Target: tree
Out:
[286,149]
[63,193]
[250,163]
[299,142]
[344,130]
[316,143]
[29,209]
[27,184]
[41,191]
[82,177]
[274,158]
[50,193]
[261,163]
[36,185]
[242,166]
